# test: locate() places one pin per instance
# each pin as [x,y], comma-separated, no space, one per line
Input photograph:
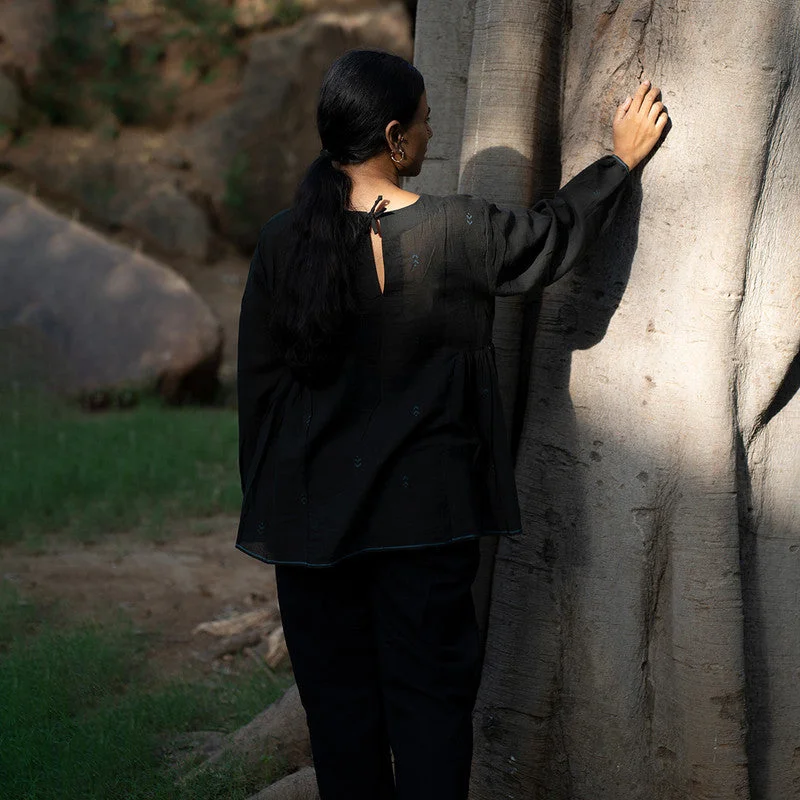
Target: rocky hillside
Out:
[184,122]
[172,126]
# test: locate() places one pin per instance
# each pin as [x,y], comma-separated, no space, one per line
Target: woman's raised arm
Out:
[530,248]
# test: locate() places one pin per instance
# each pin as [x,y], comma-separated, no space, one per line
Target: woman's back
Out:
[405,445]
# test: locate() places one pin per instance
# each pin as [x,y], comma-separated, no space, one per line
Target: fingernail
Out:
[646,82]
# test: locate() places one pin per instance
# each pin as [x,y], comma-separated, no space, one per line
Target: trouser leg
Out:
[430,665]
[329,633]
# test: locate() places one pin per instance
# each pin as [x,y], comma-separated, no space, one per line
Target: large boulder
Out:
[249,158]
[119,183]
[116,317]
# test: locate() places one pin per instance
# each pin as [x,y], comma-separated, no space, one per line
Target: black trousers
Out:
[386,655]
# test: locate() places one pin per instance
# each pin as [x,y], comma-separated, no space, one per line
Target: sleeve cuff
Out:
[627,168]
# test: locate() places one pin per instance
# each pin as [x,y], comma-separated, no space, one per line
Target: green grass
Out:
[82,718]
[67,471]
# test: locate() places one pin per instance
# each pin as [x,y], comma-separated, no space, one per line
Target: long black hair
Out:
[362,92]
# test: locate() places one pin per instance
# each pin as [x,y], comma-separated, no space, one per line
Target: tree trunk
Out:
[638,642]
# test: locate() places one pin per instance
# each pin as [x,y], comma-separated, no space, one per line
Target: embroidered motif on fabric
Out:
[303,498]
[357,462]
[469,218]
[484,391]
[405,481]
[415,411]
[261,527]
[307,419]
[414,261]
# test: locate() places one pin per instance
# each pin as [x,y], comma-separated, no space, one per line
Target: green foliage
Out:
[89,69]
[207,27]
[81,716]
[238,189]
[287,12]
[85,474]
[241,200]
[209,16]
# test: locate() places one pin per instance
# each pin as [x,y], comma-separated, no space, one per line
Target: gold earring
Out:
[398,160]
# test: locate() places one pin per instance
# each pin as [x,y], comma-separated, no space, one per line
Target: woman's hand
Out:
[638,124]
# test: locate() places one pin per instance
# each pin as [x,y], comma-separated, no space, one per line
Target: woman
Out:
[373,451]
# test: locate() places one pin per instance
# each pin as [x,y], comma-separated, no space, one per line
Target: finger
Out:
[649,99]
[662,120]
[622,108]
[639,96]
[655,110]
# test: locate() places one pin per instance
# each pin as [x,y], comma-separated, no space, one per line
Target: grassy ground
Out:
[83,474]
[82,718]
[82,713]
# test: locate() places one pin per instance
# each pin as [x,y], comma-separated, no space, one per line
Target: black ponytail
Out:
[362,92]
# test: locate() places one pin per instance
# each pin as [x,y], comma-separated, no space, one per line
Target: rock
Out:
[300,785]
[192,57]
[118,182]
[250,14]
[249,158]
[26,28]
[9,102]
[116,317]
[135,12]
[170,219]
[29,360]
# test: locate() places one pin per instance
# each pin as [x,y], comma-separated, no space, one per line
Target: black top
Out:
[407,447]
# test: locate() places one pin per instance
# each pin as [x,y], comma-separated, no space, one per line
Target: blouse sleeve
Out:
[528,249]
[259,367]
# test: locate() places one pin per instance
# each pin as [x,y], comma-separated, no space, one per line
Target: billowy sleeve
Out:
[260,369]
[527,249]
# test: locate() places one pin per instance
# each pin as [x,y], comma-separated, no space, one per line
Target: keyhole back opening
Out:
[377,255]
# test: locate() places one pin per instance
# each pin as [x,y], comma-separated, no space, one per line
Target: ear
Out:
[393,132]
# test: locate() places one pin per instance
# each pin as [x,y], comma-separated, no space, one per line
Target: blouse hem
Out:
[278,562]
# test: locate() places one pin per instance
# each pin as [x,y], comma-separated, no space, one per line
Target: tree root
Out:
[279,732]
[300,785]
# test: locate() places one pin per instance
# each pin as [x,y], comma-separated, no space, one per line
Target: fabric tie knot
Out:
[375,213]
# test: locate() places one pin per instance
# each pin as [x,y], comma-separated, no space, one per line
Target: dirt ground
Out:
[164,588]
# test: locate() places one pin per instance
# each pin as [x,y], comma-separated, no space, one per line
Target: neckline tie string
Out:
[375,215]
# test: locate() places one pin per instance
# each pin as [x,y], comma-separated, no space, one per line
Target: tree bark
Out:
[640,642]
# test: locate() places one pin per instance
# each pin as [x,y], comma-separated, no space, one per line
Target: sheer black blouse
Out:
[407,447]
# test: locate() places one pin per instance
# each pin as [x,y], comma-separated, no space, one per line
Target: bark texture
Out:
[642,639]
